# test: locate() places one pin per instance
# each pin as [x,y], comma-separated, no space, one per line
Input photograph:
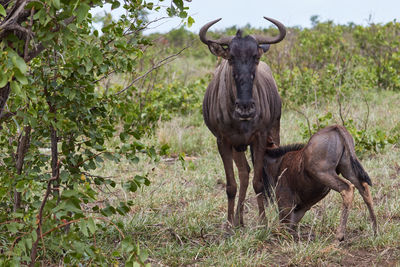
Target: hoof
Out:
[339,238]
[237,223]
[227,227]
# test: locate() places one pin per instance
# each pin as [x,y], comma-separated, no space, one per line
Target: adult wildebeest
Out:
[242,107]
[304,174]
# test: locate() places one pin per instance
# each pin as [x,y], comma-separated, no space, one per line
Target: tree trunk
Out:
[23,146]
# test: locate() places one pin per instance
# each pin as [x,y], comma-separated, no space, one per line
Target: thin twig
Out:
[367,116]
[305,116]
[97,176]
[29,35]
[10,221]
[92,157]
[340,107]
[156,66]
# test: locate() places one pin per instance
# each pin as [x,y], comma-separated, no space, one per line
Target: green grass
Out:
[180,218]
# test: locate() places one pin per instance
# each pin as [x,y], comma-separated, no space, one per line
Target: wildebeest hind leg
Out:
[225,150]
[366,195]
[347,171]
[243,169]
[346,190]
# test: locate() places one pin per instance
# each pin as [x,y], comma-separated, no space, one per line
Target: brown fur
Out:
[242,107]
[233,136]
[305,176]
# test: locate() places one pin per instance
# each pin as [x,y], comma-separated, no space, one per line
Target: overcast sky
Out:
[289,12]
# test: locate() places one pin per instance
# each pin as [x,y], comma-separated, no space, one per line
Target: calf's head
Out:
[243,54]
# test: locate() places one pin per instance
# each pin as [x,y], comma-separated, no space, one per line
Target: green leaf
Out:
[97,55]
[91,225]
[21,78]
[17,89]
[130,186]
[164,149]
[13,227]
[190,21]
[34,235]
[56,4]
[83,227]
[108,211]
[36,4]
[19,63]
[3,80]
[2,11]
[70,193]
[28,243]
[115,5]
[179,4]
[81,12]
[150,6]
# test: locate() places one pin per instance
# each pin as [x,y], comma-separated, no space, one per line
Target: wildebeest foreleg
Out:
[259,149]
[243,169]
[225,150]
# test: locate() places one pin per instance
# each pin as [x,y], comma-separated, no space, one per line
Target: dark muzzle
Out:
[245,110]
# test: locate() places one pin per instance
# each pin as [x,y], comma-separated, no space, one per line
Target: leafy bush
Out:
[59,126]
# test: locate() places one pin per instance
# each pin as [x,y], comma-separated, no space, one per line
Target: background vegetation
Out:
[105,159]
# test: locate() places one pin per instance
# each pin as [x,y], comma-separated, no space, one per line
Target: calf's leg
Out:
[347,197]
[347,171]
[346,190]
[366,195]
[259,149]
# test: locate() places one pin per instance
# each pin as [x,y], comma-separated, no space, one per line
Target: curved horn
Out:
[203,37]
[272,40]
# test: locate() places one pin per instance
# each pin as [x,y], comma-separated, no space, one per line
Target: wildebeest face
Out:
[243,54]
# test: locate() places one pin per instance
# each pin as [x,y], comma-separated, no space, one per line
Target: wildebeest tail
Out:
[358,169]
[266,180]
[267,184]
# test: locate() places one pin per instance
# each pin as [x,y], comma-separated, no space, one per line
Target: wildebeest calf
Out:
[304,174]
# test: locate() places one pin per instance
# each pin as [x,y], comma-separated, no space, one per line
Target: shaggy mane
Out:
[282,150]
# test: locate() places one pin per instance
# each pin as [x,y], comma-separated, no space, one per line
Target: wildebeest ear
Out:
[263,48]
[219,50]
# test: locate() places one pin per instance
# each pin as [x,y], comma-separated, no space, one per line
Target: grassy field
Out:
[179,219]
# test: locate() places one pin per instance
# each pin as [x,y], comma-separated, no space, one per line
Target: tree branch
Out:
[22,148]
[12,17]
[40,47]
[39,217]
[29,35]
